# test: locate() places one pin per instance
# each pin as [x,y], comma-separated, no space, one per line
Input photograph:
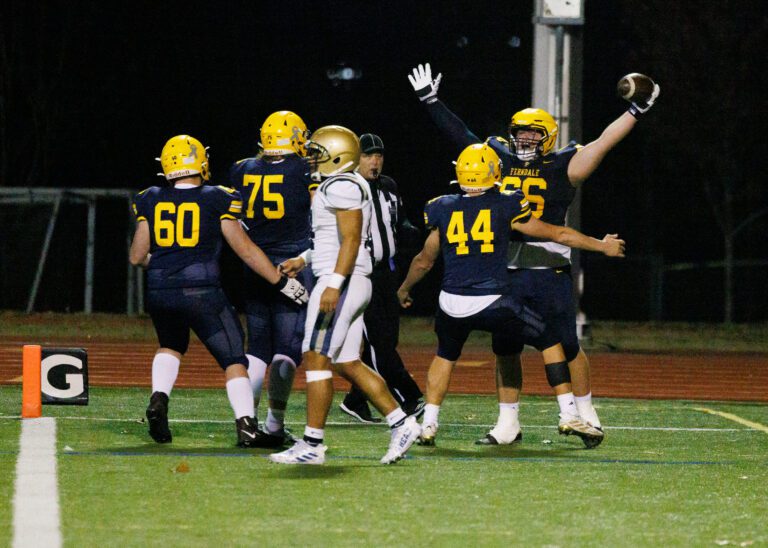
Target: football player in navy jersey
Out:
[472,233]
[549,179]
[275,187]
[178,238]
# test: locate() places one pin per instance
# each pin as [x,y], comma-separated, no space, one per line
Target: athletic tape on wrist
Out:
[314,376]
[336,280]
[306,255]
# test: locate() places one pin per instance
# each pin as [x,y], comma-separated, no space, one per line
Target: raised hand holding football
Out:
[635,87]
[639,90]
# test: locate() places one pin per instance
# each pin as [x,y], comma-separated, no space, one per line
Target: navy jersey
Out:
[185,232]
[276,202]
[544,182]
[474,237]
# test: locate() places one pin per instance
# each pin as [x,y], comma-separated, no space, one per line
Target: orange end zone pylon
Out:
[31,399]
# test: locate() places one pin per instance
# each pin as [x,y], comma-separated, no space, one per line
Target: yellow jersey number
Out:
[536,200]
[277,211]
[480,231]
[170,221]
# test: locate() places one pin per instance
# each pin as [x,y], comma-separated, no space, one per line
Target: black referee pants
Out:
[382,331]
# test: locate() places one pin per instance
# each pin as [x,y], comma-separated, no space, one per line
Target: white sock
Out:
[586,410]
[315,433]
[395,416]
[567,405]
[431,411]
[240,397]
[165,369]
[508,416]
[275,420]
[256,370]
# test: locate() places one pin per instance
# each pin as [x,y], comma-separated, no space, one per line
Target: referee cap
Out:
[370,143]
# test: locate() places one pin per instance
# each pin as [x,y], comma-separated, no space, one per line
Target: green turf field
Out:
[667,475]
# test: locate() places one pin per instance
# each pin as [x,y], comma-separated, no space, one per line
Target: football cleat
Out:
[428,435]
[301,453]
[157,416]
[490,439]
[591,443]
[249,434]
[402,438]
[362,413]
[276,439]
[574,426]
[414,408]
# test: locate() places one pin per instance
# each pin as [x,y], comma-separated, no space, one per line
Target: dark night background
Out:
[92,90]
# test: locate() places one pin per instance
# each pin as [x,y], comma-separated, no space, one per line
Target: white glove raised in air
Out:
[423,84]
[292,288]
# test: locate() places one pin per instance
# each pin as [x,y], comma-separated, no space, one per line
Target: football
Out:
[635,87]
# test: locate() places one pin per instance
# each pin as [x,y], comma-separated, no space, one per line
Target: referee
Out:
[382,317]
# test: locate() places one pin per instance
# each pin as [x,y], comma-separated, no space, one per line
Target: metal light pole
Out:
[557,80]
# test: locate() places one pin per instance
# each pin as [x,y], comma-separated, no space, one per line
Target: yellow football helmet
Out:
[478,168]
[534,119]
[183,156]
[284,132]
[333,150]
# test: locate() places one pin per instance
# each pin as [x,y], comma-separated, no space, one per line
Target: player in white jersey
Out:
[341,260]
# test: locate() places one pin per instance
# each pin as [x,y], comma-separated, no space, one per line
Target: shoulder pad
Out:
[436,198]
[144,191]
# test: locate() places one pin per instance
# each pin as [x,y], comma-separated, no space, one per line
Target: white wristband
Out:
[336,281]
[306,255]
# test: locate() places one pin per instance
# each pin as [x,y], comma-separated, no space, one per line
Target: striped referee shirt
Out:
[385,218]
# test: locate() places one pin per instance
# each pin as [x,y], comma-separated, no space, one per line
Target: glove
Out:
[292,288]
[423,84]
[641,107]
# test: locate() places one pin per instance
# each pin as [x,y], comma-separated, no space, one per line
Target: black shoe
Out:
[157,416]
[488,439]
[361,413]
[278,439]
[250,435]
[415,408]
[591,443]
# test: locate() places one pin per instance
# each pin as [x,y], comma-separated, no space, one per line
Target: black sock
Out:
[314,442]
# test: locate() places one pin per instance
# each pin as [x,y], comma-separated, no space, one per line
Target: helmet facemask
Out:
[332,150]
[526,148]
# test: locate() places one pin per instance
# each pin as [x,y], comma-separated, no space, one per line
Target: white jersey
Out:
[346,191]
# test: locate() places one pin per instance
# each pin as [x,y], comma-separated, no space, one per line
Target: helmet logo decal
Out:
[192,154]
[491,169]
[296,133]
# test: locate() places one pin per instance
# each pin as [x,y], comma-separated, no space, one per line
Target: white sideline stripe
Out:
[457,424]
[36,517]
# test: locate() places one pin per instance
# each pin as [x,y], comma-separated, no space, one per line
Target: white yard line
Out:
[373,427]
[734,418]
[36,516]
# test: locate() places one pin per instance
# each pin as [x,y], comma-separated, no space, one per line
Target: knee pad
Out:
[571,350]
[557,373]
[281,374]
